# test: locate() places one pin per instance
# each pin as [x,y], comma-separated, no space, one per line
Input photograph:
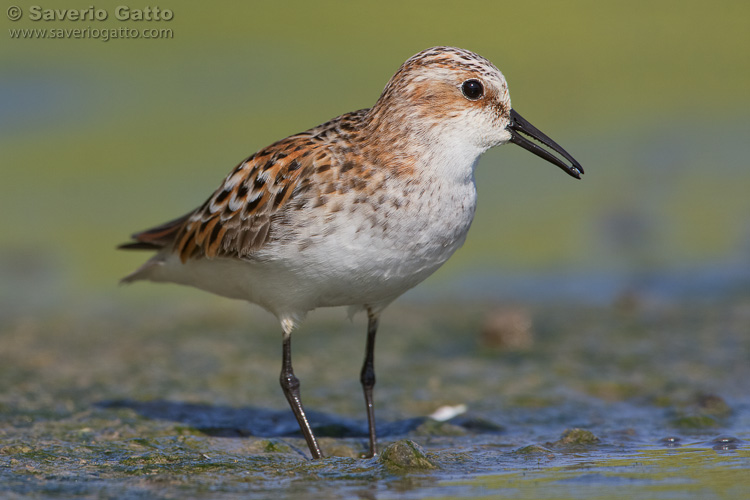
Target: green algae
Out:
[534,450]
[654,473]
[694,422]
[124,414]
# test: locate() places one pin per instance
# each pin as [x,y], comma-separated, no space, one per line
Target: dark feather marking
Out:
[253,204]
[269,164]
[138,245]
[188,243]
[214,233]
[222,196]
[348,165]
[293,165]
[203,207]
[280,195]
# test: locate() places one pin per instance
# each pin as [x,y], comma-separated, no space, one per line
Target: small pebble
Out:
[671,441]
[711,404]
[448,412]
[405,455]
[725,443]
[576,437]
[507,329]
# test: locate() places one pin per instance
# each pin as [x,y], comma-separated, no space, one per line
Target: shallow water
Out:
[168,401]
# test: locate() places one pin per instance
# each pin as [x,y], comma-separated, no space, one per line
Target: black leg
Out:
[367,377]
[290,385]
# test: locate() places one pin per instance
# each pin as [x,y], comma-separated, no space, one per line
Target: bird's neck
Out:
[422,146]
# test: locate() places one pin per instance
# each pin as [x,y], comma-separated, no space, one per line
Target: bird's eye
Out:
[472,89]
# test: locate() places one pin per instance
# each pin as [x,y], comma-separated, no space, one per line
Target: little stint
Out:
[353,212]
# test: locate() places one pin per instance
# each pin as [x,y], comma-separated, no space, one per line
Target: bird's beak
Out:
[518,125]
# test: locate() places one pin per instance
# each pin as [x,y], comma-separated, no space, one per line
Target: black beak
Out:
[518,125]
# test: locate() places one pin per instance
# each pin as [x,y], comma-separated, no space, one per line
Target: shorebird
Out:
[353,212]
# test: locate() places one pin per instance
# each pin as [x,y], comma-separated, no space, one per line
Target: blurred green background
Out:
[100,139]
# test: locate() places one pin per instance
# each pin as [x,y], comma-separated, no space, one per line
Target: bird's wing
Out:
[238,219]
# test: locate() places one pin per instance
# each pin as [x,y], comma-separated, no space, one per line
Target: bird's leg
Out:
[367,377]
[290,386]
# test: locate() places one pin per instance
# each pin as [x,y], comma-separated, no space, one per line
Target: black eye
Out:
[472,89]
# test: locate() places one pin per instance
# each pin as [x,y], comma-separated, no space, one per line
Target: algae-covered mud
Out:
[636,400]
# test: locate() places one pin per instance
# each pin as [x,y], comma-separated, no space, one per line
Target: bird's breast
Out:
[376,245]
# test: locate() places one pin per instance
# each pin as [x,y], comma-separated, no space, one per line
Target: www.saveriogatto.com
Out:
[60,23]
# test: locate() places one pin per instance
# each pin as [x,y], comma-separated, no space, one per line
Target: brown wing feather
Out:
[157,237]
[238,218]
